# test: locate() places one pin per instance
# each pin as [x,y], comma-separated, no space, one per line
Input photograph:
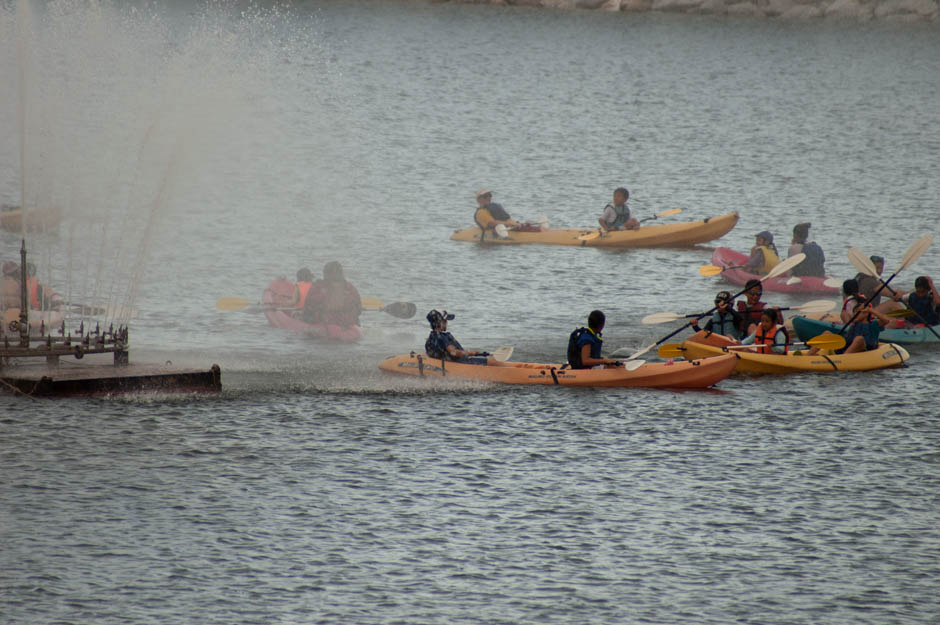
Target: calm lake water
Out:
[315,489]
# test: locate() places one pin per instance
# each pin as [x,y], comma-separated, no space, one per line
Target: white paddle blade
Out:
[785,266]
[662,317]
[503,353]
[832,283]
[542,221]
[501,231]
[633,365]
[793,280]
[816,306]
[915,251]
[862,263]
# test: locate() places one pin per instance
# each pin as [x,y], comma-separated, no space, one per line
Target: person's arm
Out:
[755,260]
[933,291]
[749,340]
[607,217]
[460,353]
[780,342]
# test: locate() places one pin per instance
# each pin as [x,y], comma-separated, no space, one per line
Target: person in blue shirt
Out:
[585,344]
[442,344]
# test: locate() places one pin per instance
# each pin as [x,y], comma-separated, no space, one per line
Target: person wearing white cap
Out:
[489,214]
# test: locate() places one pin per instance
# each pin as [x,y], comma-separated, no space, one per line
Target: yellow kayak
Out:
[664,235]
[884,356]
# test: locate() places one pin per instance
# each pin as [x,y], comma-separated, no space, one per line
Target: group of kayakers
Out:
[330,301]
[764,255]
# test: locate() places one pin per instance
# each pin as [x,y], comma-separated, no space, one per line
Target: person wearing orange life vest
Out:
[41,297]
[769,337]
[302,288]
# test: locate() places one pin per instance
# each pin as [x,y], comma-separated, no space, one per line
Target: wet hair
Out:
[304,275]
[623,190]
[922,283]
[850,287]
[596,320]
[333,272]
[770,313]
[750,284]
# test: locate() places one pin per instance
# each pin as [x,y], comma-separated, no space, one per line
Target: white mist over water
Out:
[111,112]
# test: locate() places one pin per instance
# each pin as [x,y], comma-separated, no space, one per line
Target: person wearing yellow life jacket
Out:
[769,337]
[489,214]
[302,288]
[764,255]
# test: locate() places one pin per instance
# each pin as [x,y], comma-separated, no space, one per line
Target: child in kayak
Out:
[585,344]
[442,344]
[764,255]
[725,320]
[768,336]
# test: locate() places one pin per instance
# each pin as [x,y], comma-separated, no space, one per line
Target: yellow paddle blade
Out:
[827,341]
[671,350]
[372,303]
[674,211]
[900,312]
[710,270]
[233,303]
[587,236]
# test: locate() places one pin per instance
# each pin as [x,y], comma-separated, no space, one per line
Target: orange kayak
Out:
[671,374]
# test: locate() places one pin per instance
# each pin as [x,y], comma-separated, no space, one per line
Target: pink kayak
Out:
[277,299]
[725,257]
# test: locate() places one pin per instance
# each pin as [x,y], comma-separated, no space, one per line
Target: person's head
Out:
[878,262]
[333,272]
[753,289]
[596,320]
[304,275]
[11,268]
[801,232]
[723,300]
[438,319]
[850,287]
[764,237]
[621,195]
[922,285]
[483,197]
[768,318]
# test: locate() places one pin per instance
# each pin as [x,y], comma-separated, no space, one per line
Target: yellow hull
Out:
[665,235]
[884,356]
[695,374]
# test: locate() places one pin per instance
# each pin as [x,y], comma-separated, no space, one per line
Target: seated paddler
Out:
[769,336]
[725,320]
[489,214]
[616,215]
[442,344]
[585,344]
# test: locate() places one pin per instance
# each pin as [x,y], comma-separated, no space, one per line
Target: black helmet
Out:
[723,296]
[437,317]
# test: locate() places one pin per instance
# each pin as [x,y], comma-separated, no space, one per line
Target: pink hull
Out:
[280,293]
[725,257]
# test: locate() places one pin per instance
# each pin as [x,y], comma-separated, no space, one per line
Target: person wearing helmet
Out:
[764,256]
[616,215]
[725,319]
[442,344]
[332,300]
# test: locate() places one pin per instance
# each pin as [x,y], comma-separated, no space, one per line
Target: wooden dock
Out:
[44,381]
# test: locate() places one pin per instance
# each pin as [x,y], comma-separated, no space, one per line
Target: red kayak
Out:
[725,257]
[277,300]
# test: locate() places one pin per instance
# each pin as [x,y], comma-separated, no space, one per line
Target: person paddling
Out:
[924,300]
[862,329]
[489,214]
[616,216]
[333,300]
[771,337]
[725,320]
[750,310]
[442,344]
[764,255]
[585,344]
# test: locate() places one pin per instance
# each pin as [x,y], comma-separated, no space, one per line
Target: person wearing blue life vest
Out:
[616,216]
[442,344]
[815,262]
[585,344]
[923,300]
[725,320]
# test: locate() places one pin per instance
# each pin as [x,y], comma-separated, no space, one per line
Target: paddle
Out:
[864,264]
[402,310]
[813,307]
[823,341]
[912,254]
[714,270]
[501,354]
[782,267]
[98,311]
[587,236]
